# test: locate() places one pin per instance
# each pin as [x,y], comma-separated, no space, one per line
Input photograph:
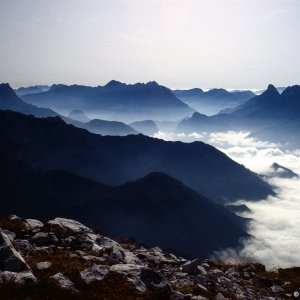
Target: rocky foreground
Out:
[63,259]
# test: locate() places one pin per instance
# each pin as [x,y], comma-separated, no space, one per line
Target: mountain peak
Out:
[272,90]
[114,83]
[152,83]
[6,91]
[271,87]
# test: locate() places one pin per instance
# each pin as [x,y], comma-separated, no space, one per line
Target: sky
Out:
[180,44]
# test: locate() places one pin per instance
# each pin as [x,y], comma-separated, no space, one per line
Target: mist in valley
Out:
[275,221]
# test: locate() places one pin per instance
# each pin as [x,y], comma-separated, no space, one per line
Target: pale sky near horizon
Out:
[178,43]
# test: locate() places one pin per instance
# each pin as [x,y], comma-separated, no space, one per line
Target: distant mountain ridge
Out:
[108,127]
[10,101]
[114,160]
[31,89]
[156,210]
[270,116]
[114,101]
[214,100]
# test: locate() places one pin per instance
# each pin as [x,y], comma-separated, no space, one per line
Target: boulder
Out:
[140,277]
[11,235]
[63,281]
[95,273]
[67,225]
[19,278]
[192,267]
[10,259]
[43,265]
[33,224]
[41,238]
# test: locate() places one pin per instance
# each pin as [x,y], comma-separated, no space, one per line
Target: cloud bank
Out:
[275,225]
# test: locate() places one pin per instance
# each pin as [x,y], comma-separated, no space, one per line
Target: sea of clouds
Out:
[275,224]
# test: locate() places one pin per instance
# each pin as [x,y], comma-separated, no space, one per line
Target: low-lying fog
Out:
[276,220]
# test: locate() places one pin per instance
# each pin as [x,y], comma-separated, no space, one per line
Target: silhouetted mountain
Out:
[52,144]
[10,101]
[78,115]
[108,127]
[214,100]
[279,89]
[203,123]
[147,127]
[31,89]
[114,101]
[271,116]
[157,210]
[280,171]
[263,105]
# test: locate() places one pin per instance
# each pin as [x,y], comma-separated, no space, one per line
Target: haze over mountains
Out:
[31,89]
[106,174]
[9,100]
[147,210]
[43,160]
[214,100]
[270,116]
[115,160]
[114,101]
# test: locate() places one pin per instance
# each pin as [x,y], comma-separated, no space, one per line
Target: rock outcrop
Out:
[68,260]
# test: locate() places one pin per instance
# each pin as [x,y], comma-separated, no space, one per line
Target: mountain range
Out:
[114,101]
[50,143]
[270,116]
[10,101]
[154,210]
[214,100]
[31,89]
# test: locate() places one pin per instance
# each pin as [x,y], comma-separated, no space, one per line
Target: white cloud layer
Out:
[275,225]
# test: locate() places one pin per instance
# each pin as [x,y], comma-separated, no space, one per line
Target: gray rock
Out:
[43,265]
[132,274]
[17,277]
[191,267]
[68,225]
[33,224]
[23,246]
[131,258]
[202,287]
[92,258]
[111,249]
[41,238]
[11,235]
[95,273]
[140,277]
[220,296]
[198,298]
[10,259]
[63,281]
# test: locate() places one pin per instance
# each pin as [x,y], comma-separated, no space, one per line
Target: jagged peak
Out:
[114,83]
[6,90]
[270,91]
[271,87]
[152,83]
